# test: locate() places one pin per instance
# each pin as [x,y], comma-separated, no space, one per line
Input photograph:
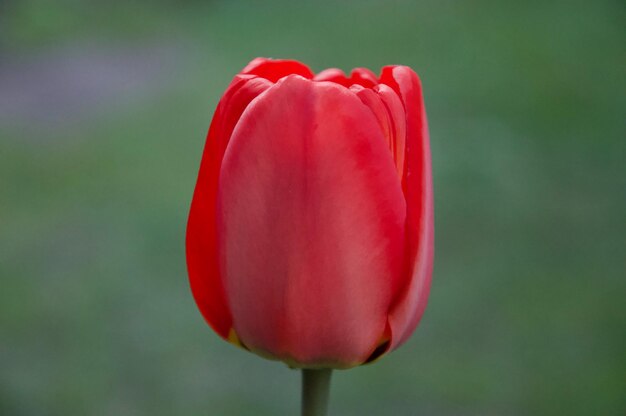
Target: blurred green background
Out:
[104,108]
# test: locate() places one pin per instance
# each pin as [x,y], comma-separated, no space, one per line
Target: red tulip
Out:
[310,236]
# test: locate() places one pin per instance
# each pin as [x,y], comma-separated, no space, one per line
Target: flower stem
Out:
[315,388]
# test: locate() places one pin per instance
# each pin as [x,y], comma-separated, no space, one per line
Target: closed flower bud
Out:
[310,235]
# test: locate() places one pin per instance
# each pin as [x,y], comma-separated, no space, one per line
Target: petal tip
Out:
[275,69]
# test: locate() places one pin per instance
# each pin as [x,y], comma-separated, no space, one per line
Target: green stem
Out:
[315,387]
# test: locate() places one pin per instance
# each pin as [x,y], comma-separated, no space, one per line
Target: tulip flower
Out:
[310,234]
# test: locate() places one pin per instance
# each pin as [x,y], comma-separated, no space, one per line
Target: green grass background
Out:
[526,106]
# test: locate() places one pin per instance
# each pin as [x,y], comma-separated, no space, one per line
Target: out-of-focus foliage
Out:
[103,111]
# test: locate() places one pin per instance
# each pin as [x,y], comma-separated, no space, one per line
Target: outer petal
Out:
[275,69]
[409,307]
[310,225]
[204,276]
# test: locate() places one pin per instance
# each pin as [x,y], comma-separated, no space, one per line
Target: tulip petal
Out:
[409,307]
[397,117]
[311,221]
[363,77]
[359,76]
[335,75]
[204,276]
[275,69]
[389,112]
[372,100]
